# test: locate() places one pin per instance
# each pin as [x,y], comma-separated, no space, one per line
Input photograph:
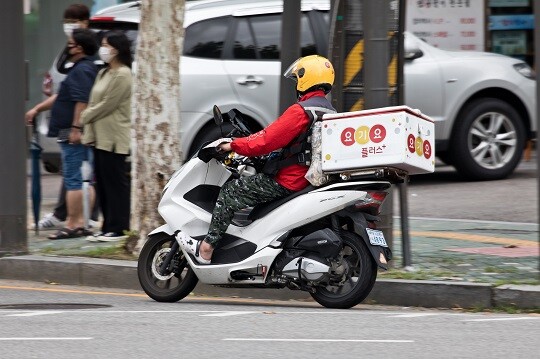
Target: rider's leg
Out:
[234,196]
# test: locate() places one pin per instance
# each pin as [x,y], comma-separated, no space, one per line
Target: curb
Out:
[108,273]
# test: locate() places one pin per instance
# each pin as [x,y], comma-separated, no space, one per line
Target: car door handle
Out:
[249,80]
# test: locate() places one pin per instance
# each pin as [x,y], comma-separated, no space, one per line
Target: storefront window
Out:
[511,29]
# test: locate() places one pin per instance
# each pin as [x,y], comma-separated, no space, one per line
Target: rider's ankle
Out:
[206,250]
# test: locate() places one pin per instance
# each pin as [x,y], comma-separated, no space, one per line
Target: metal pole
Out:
[403,187]
[404,212]
[290,49]
[537,68]
[375,19]
[336,51]
[13,156]
[375,15]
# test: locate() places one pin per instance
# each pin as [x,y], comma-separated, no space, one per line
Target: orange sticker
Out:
[418,144]
[362,135]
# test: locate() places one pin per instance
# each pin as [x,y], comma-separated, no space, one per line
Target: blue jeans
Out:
[72,159]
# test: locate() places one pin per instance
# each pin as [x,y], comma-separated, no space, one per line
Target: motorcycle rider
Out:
[284,175]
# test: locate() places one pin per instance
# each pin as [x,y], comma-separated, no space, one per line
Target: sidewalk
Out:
[468,264]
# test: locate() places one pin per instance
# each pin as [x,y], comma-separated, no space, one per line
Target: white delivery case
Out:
[398,137]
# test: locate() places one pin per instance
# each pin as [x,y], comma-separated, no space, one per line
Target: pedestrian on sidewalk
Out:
[66,124]
[76,16]
[107,127]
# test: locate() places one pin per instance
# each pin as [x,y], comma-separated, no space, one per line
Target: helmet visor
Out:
[291,72]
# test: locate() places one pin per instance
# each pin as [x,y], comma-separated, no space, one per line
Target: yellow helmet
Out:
[310,73]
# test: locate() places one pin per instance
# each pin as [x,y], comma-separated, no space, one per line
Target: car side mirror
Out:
[412,50]
[218,117]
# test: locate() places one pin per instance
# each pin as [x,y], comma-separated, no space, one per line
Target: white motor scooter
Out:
[322,240]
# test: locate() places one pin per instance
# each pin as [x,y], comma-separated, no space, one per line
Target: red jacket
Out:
[277,135]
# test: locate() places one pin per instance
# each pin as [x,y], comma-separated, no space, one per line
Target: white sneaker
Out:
[111,237]
[49,221]
[94,237]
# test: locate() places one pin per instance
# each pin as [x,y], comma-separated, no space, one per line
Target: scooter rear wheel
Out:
[360,276]
[164,287]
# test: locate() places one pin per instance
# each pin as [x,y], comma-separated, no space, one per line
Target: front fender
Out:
[381,255]
[163,229]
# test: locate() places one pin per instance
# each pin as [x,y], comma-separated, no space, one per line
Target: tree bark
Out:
[155,109]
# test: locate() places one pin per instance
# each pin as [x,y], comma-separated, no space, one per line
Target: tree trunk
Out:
[155,109]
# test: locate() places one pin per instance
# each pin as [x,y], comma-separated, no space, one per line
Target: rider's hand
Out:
[225,147]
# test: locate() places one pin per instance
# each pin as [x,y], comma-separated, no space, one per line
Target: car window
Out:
[307,42]
[206,38]
[326,18]
[267,30]
[259,37]
[244,45]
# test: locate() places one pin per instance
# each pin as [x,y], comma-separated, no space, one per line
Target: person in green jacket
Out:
[107,126]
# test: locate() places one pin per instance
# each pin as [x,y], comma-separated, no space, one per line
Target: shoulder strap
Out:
[316,107]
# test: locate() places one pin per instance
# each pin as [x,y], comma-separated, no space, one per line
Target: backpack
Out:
[305,148]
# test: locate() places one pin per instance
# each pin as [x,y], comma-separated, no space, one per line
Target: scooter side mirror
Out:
[218,117]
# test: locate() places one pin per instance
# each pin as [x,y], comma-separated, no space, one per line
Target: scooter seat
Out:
[263,209]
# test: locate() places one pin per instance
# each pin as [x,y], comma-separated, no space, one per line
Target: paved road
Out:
[39,321]
[444,194]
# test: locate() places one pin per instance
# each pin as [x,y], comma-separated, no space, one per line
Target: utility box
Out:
[397,136]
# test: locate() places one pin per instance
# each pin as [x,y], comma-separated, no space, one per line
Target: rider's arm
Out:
[277,135]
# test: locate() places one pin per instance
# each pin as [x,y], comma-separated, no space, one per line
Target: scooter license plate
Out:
[376,237]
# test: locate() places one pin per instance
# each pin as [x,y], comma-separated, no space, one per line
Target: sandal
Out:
[85,232]
[66,233]
[191,246]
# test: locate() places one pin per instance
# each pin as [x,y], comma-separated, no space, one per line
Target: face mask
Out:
[68,29]
[105,54]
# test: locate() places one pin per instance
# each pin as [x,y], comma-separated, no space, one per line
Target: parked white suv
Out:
[483,103]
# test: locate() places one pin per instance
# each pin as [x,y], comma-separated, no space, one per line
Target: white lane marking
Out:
[500,319]
[43,338]
[317,340]
[226,314]
[32,314]
[413,315]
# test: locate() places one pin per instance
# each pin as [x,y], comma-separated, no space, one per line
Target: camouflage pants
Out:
[239,194]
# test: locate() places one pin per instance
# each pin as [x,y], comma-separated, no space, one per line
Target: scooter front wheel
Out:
[358,280]
[171,285]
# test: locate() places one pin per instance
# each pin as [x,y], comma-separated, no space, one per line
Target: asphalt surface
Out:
[56,321]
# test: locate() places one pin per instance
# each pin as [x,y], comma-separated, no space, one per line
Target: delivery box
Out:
[396,136]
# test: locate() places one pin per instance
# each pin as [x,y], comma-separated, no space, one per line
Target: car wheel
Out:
[488,140]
